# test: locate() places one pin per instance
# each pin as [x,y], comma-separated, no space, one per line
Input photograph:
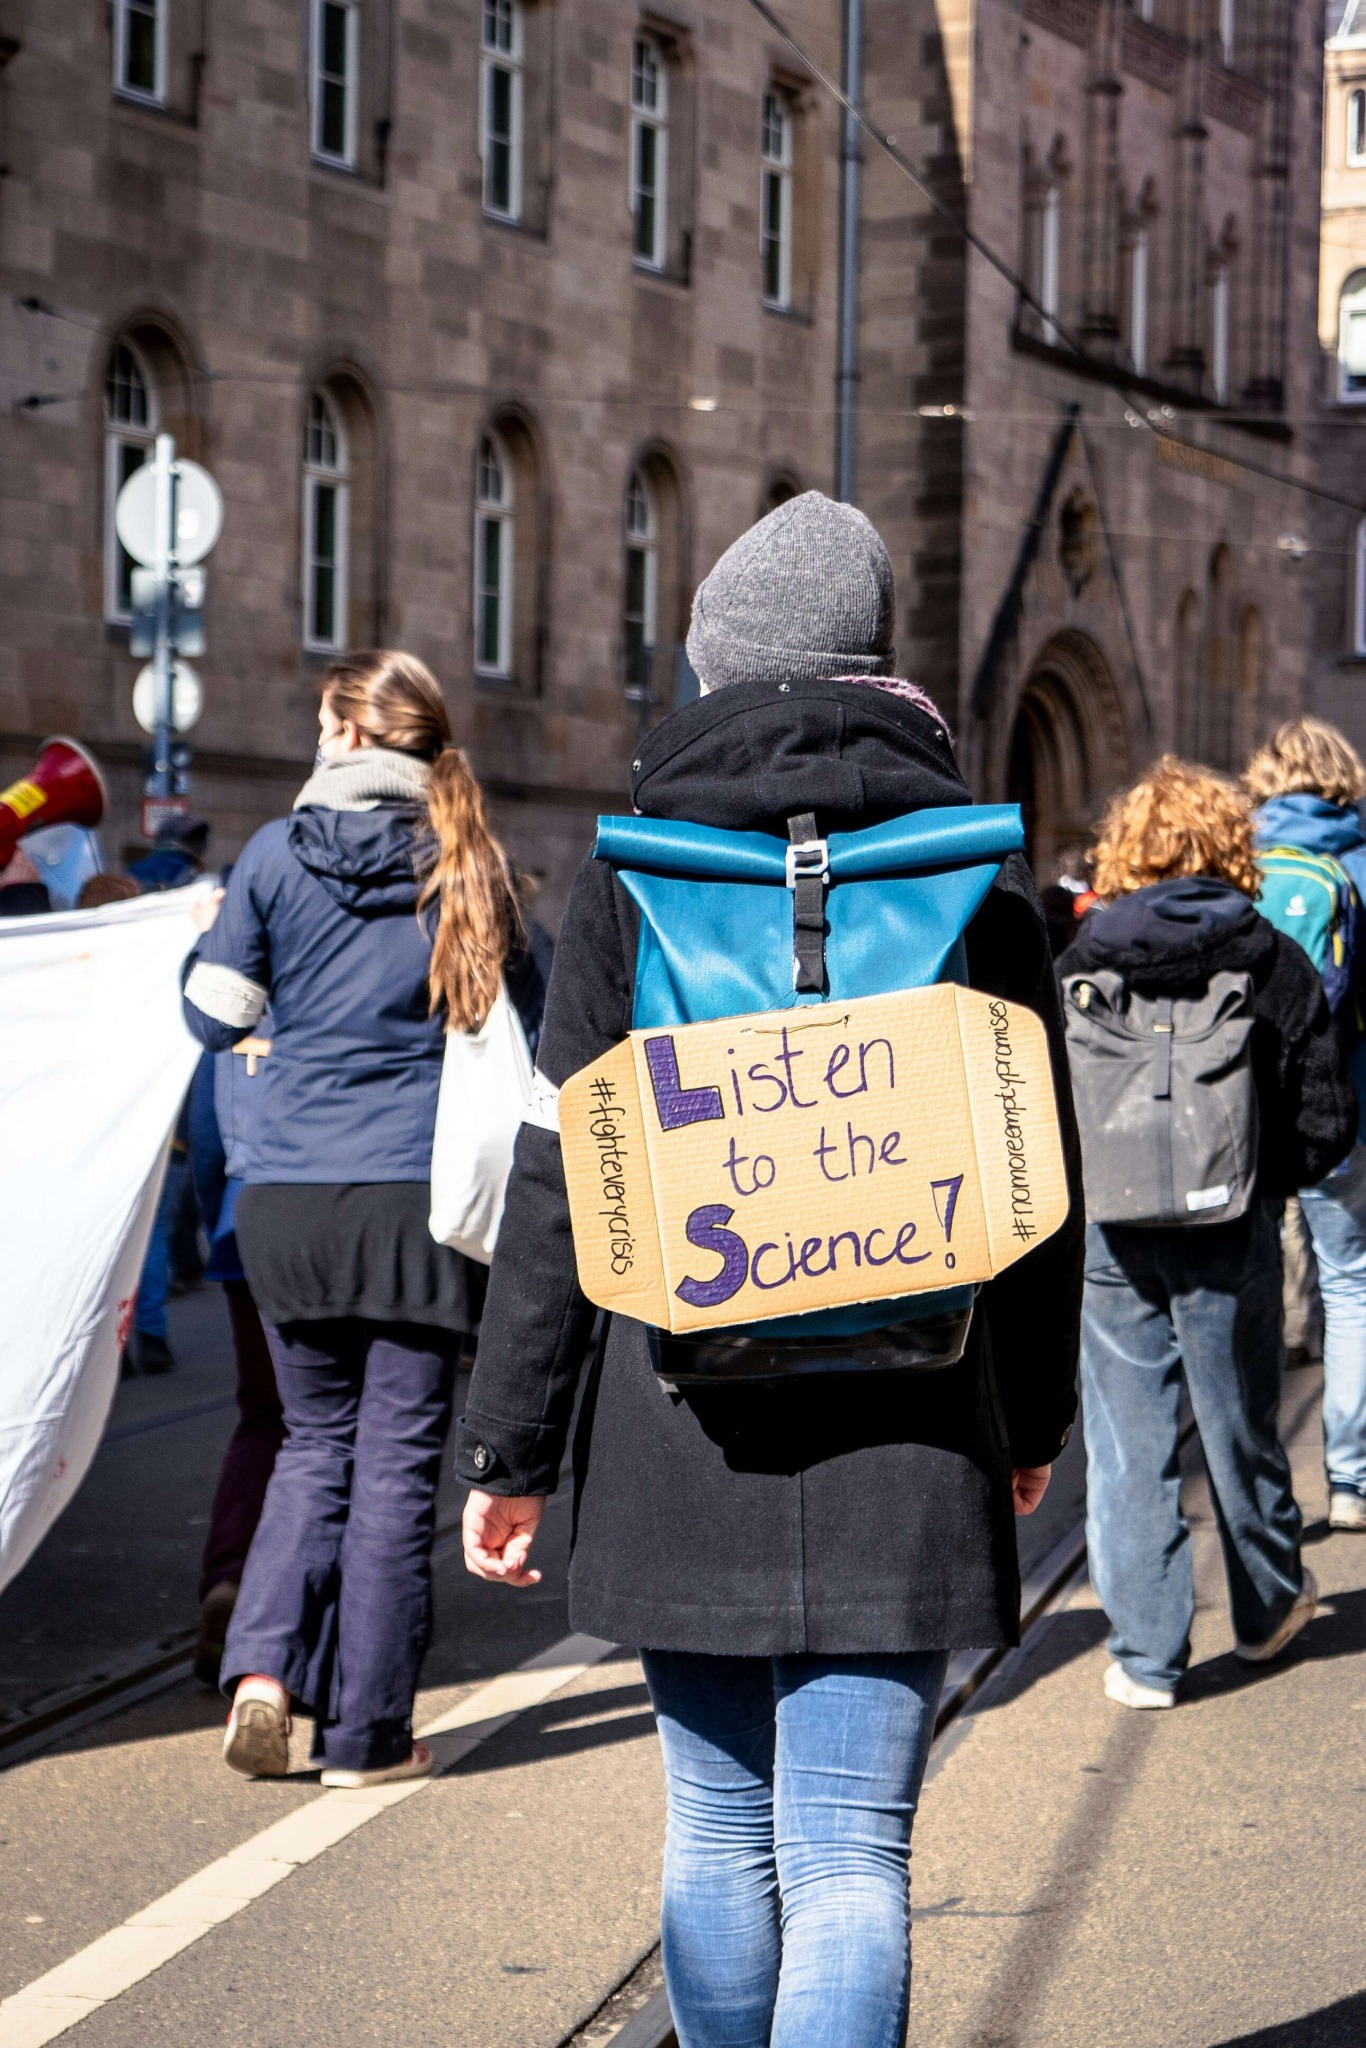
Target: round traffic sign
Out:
[187,697]
[199,513]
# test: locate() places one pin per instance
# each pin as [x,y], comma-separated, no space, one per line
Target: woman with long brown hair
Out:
[377,916]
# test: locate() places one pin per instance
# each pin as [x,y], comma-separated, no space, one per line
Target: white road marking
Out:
[74,1989]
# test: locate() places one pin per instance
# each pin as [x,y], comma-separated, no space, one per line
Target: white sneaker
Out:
[257,1741]
[1127,1692]
[418,1765]
[1346,1508]
[1306,1600]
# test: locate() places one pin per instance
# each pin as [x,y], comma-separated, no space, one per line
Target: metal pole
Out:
[163,775]
[851,168]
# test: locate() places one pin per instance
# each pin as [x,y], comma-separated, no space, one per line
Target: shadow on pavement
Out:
[1337,1630]
[1342,2025]
[565,1727]
[1066,1636]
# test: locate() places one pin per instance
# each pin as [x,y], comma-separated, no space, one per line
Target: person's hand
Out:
[1028,1485]
[498,1532]
[20,869]
[205,911]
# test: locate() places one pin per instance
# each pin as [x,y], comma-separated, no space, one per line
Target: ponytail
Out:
[477,916]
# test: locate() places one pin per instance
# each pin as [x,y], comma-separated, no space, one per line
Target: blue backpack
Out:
[734,922]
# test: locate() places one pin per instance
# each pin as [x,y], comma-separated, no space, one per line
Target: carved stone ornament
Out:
[1150,53]
[1075,19]
[1235,101]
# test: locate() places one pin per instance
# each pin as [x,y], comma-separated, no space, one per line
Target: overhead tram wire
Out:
[963,227]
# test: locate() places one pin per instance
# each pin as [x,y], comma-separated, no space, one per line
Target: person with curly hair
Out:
[1307,781]
[1198,1303]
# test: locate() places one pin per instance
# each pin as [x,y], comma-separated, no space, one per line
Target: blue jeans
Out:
[336,1597]
[1335,1212]
[793,1783]
[1203,1303]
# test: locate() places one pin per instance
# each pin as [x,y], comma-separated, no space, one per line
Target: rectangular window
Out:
[1138,302]
[1356,128]
[775,201]
[140,50]
[492,595]
[1359,594]
[639,615]
[121,459]
[1050,262]
[500,116]
[1219,338]
[649,153]
[325,515]
[335,80]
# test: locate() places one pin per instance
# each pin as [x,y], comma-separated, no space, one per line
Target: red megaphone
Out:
[64,787]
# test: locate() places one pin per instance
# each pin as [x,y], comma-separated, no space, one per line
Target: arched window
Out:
[640,614]
[1356,128]
[1352,340]
[130,418]
[326,525]
[777,491]
[493,559]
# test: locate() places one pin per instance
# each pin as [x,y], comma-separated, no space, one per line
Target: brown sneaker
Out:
[215,1613]
[257,1741]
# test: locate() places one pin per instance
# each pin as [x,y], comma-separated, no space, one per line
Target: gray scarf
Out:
[361,780]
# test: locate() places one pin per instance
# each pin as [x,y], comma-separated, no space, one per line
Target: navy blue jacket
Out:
[320,920]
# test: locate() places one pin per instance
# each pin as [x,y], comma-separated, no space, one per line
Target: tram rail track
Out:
[650,2025]
[1042,1591]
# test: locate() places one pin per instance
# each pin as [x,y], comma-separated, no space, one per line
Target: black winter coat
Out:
[838,1514]
[1168,939]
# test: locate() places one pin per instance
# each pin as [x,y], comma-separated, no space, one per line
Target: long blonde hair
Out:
[393,701]
[1178,820]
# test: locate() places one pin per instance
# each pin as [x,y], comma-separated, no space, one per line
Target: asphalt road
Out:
[496,1908]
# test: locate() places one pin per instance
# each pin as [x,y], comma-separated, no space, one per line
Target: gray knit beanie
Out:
[805,594]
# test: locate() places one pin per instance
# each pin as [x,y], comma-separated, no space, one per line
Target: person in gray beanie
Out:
[806,594]
[797,1550]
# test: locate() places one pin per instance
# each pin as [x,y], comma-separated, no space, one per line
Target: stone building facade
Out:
[1339,557]
[497,320]
[1099,491]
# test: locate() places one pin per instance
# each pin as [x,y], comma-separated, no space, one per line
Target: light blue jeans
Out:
[1199,1304]
[793,1783]
[1335,1212]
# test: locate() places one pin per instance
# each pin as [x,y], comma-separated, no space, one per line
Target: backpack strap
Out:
[808,872]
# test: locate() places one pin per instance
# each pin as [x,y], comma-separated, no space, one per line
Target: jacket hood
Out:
[752,756]
[1310,822]
[1173,933]
[368,861]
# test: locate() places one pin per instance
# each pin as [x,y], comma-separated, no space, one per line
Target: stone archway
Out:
[1069,750]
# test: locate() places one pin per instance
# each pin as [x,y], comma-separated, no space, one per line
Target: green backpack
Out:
[1311,899]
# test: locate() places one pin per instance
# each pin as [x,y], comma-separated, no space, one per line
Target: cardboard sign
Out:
[810,1158]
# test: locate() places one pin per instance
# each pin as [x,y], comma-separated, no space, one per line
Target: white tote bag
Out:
[485,1089]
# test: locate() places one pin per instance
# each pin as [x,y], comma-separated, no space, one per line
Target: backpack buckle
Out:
[808,860]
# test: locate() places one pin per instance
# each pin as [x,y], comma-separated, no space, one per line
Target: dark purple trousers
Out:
[250,1457]
[336,1599]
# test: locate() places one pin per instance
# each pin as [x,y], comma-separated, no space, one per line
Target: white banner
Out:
[94,1061]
